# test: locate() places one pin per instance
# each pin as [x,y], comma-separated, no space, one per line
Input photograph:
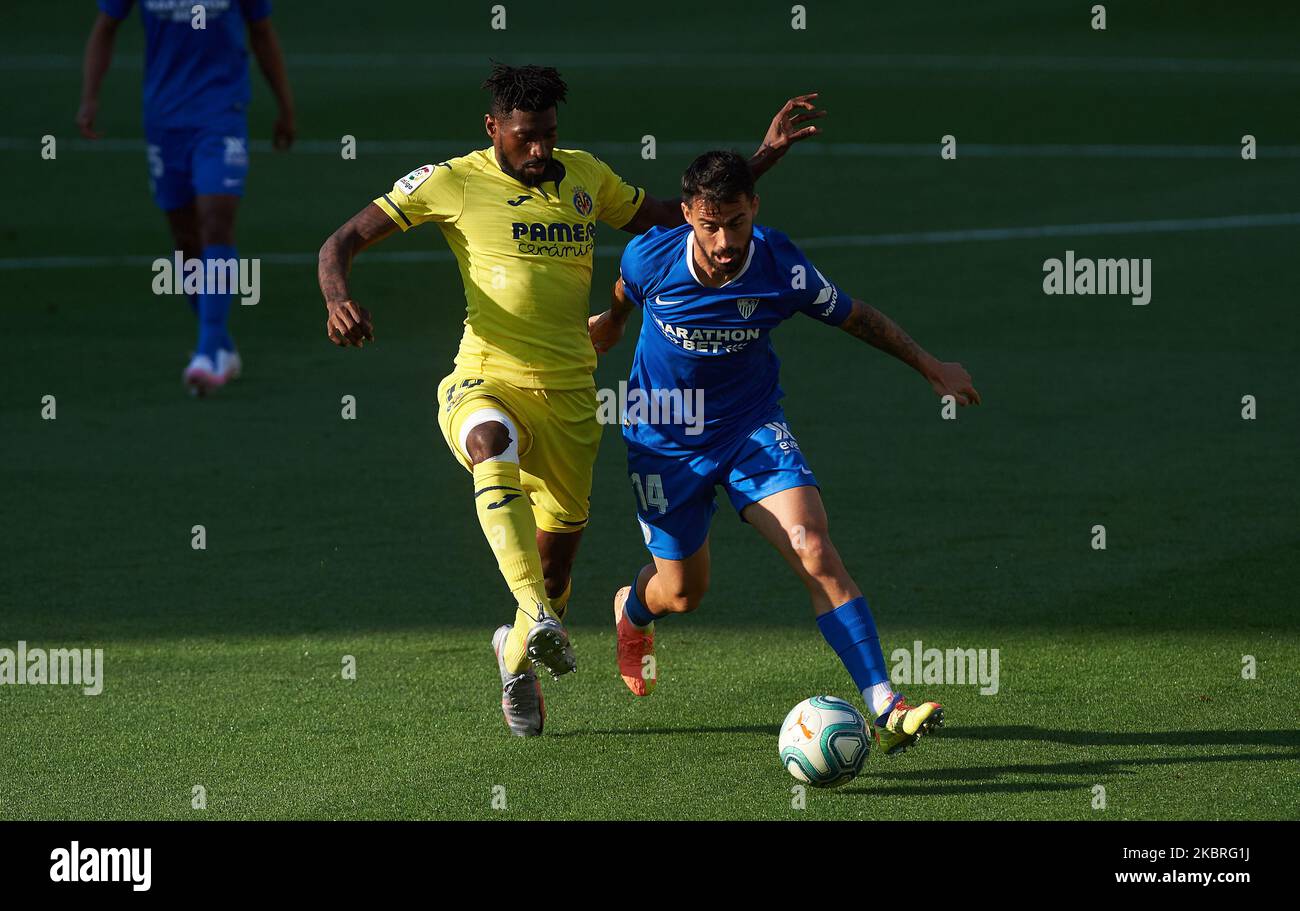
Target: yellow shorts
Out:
[559,437]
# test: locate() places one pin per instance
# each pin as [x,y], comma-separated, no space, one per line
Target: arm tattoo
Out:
[332,270]
[873,327]
[367,227]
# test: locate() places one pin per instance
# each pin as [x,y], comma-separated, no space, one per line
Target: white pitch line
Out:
[910,238]
[832,61]
[444,148]
[1087,229]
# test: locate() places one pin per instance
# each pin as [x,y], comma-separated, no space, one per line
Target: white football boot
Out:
[201,376]
[521,694]
[229,364]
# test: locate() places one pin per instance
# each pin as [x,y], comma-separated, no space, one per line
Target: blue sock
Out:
[634,610]
[851,632]
[214,308]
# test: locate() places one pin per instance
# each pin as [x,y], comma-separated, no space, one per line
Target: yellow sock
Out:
[560,603]
[507,520]
[517,640]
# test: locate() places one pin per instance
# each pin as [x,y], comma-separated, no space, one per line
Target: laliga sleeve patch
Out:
[410,182]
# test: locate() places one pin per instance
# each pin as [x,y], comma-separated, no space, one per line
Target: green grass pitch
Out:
[1120,668]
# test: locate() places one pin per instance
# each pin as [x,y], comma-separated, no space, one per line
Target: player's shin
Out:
[507,521]
[851,632]
[215,296]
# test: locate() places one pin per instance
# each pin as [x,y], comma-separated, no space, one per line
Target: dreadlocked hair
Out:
[524,88]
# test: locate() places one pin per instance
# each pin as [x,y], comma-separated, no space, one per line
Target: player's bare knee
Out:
[216,219]
[487,441]
[217,230]
[817,555]
[685,599]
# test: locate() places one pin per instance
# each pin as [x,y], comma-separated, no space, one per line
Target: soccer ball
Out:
[824,741]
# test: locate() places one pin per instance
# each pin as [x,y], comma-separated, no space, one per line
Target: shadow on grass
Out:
[970,776]
[986,779]
[735,729]
[1004,787]
[1126,738]
[1014,732]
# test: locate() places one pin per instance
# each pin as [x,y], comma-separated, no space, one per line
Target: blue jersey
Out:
[713,344]
[193,75]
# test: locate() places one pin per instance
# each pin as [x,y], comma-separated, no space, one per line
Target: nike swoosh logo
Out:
[660,300]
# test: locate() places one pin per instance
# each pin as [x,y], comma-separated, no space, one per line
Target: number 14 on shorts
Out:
[651,494]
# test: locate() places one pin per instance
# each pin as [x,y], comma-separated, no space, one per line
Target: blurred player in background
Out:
[196,95]
[712,291]
[519,411]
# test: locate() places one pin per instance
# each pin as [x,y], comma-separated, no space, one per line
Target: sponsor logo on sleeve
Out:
[410,182]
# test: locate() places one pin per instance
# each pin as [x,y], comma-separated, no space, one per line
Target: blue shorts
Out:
[675,493]
[193,161]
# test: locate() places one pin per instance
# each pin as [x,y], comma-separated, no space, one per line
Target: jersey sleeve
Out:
[429,193]
[630,270]
[811,293]
[117,9]
[255,10]
[616,199]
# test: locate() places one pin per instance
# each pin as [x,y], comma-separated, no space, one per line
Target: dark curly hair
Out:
[717,177]
[524,88]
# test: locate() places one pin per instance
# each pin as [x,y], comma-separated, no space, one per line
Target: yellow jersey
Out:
[525,256]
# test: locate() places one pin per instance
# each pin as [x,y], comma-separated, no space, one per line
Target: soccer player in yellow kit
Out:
[519,410]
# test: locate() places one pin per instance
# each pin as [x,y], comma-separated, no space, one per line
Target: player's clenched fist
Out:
[605,330]
[951,378]
[349,324]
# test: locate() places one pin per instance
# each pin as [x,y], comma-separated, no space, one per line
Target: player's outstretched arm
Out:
[787,128]
[265,44]
[347,323]
[606,328]
[790,125]
[879,331]
[99,54]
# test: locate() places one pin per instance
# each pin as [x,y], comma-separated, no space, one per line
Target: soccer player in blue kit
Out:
[196,93]
[712,291]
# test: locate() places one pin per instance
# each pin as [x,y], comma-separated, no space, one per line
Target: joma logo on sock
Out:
[76,864]
[1131,277]
[958,666]
[81,667]
[210,275]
